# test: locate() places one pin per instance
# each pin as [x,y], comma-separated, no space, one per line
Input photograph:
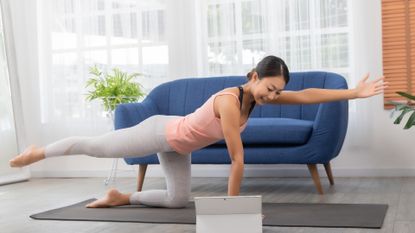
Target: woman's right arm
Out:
[228,109]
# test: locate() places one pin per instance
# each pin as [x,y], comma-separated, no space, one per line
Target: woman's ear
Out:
[254,77]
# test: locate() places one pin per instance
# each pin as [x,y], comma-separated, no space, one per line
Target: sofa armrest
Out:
[329,129]
[128,115]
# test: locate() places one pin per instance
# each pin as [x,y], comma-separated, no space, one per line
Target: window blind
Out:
[398,37]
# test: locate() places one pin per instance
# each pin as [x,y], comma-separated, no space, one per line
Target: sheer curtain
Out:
[77,34]
[221,37]
[11,120]
[307,34]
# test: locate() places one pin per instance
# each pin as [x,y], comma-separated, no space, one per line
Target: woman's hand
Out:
[366,89]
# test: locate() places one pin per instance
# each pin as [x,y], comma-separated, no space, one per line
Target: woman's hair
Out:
[271,66]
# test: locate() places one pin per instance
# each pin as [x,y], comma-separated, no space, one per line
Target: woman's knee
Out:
[178,201]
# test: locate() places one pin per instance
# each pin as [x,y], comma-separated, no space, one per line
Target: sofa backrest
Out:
[183,96]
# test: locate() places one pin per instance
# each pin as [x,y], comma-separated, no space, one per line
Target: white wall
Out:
[387,150]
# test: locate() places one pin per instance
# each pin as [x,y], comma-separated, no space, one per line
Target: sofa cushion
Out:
[276,131]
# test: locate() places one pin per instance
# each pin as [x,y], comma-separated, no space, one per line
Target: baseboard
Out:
[22,175]
[223,171]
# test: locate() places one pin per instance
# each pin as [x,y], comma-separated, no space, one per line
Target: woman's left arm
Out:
[364,89]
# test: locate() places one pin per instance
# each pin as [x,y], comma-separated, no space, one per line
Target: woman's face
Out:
[267,89]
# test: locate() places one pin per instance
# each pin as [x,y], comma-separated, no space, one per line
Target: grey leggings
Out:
[147,137]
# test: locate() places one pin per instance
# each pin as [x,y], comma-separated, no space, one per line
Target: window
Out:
[130,35]
[308,35]
[231,37]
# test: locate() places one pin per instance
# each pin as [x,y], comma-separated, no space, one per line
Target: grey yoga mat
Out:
[276,214]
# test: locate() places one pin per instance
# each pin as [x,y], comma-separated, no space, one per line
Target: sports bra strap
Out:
[241,95]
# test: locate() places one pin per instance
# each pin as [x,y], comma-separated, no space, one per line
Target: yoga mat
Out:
[276,214]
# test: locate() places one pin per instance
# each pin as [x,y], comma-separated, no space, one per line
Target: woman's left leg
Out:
[177,170]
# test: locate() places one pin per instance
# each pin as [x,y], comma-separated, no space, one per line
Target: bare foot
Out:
[113,198]
[30,155]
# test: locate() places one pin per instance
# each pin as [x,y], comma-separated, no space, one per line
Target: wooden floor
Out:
[20,200]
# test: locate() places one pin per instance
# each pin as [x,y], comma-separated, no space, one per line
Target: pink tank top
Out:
[198,129]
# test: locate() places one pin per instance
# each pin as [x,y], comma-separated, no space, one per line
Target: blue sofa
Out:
[276,134]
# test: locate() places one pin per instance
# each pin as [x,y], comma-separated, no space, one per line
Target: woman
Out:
[222,116]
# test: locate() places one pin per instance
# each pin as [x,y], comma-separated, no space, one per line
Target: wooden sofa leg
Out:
[316,178]
[141,174]
[327,166]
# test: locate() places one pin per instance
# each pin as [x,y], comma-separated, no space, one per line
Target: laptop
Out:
[228,214]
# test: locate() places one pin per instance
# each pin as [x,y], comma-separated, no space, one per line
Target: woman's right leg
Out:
[147,137]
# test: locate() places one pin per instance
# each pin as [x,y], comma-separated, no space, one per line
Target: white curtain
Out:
[307,34]
[77,34]
[11,120]
[231,37]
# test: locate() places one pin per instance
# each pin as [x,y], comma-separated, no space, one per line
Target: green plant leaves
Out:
[95,71]
[113,88]
[405,108]
[409,96]
[404,112]
[411,121]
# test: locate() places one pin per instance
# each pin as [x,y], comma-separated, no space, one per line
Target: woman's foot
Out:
[113,198]
[30,155]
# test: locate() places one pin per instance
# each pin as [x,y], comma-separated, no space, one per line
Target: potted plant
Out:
[404,108]
[113,88]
